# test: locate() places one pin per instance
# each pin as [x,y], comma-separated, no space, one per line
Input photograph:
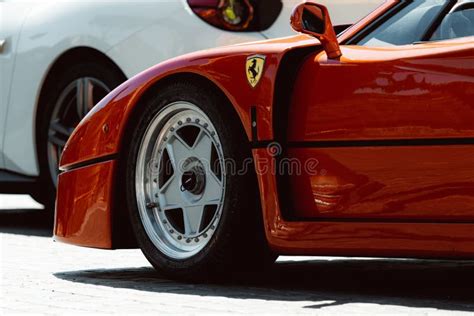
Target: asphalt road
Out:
[43,277]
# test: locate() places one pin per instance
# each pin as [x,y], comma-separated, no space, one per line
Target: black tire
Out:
[110,75]
[238,247]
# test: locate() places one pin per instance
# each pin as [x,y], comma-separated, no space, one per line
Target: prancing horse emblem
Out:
[254,69]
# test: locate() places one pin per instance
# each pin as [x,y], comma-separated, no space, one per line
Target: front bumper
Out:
[83,206]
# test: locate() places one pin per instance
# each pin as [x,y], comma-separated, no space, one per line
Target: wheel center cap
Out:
[193,180]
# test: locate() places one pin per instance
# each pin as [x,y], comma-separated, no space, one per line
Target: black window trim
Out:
[437,22]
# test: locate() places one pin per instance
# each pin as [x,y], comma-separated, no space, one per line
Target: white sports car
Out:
[59,58]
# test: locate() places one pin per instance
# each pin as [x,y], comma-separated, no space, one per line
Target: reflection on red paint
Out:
[84,203]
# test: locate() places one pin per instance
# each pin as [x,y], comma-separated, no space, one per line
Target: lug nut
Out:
[150,205]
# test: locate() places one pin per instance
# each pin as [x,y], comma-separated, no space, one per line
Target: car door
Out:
[385,133]
[12,15]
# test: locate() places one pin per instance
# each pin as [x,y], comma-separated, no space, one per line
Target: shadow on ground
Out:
[444,285]
[29,222]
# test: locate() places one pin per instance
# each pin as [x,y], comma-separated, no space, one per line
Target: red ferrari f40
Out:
[360,144]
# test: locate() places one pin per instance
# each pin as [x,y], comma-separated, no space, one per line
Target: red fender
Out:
[100,133]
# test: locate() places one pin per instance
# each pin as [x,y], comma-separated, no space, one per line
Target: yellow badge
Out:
[254,69]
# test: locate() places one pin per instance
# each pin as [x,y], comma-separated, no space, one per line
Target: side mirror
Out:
[313,19]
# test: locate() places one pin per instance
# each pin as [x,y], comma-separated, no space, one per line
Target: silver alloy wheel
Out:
[179,183]
[72,105]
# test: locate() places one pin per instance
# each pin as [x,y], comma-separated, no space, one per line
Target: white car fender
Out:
[177,31]
[12,18]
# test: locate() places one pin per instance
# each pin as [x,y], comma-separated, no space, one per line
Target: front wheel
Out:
[193,213]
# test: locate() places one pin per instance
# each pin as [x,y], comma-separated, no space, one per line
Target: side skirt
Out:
[415,240]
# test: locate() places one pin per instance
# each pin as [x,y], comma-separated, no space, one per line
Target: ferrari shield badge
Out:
[254,69]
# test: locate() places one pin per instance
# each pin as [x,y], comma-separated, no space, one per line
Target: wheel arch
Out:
[120,223]
[71,56]
[191,77]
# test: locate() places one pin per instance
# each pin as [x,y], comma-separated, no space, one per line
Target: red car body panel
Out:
[352,238]
[387,96]
[386,93]
[355,204]
[85,200]
[401,183]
